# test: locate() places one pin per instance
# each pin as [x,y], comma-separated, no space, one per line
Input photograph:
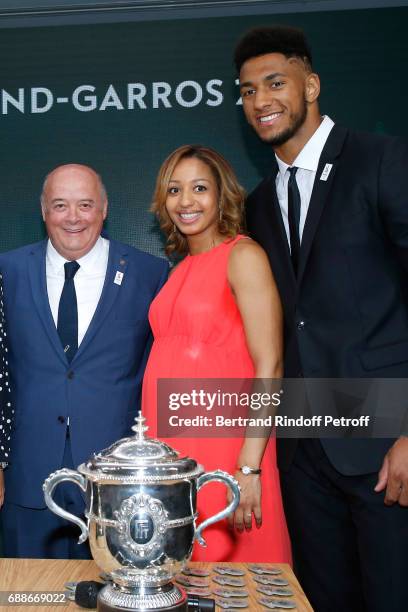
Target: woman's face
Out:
[192,199]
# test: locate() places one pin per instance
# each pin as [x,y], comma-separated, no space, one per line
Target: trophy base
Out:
[166,598]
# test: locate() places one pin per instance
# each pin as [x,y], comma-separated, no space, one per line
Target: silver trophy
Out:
[141,501]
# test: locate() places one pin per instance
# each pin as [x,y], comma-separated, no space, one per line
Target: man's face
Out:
[73,210]
[273,90]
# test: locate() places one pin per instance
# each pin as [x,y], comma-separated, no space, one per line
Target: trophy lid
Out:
[139,459]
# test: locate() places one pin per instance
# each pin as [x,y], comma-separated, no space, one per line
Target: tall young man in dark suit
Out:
[78,334]
[333,219]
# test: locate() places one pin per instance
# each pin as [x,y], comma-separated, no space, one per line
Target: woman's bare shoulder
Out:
[247,251]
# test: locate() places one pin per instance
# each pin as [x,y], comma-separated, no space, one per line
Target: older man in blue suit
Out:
[77,307]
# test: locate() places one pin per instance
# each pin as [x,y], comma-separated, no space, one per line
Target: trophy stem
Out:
[167,598]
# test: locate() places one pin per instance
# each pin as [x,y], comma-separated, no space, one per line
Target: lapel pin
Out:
[326,171]
[118,278]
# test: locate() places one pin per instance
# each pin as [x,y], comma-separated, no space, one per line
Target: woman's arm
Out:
[257,297]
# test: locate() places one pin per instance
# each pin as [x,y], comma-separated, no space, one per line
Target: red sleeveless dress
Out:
[198,333]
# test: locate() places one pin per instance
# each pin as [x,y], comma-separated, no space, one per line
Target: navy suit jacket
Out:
[99,391]
[346,312]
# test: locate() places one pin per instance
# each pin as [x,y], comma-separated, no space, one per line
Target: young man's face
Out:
[273,90]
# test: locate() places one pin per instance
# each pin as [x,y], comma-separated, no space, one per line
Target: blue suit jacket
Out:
[99,391]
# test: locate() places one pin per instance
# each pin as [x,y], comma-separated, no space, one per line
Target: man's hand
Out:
[394,474]
[1,487]
[250,502]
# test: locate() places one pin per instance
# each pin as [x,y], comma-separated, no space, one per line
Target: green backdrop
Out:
[360,55]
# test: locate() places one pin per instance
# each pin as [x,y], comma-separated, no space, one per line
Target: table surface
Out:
[51,575]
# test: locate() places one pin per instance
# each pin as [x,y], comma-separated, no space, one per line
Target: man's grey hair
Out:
[102,188]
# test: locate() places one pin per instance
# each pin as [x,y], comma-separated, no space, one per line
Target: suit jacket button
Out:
[300,325]
[70,375]
[61,419]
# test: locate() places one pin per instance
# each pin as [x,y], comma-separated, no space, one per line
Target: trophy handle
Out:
[48,487]
[232,484]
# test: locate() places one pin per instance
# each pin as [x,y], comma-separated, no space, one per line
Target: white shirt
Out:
[88,281]
[307,163]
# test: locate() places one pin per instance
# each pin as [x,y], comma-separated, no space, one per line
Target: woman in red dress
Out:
[218,316]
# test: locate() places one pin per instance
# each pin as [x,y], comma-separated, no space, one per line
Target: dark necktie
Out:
[68,312]
[294,217]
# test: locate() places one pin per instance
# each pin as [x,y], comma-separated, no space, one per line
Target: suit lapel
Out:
[117,262]
[320,193]
[38,281]
[273,220]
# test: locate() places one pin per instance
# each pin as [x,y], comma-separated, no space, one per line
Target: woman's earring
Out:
[174,228]
[220,212]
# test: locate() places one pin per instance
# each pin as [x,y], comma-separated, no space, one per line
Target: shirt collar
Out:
[308,157]
[89,262]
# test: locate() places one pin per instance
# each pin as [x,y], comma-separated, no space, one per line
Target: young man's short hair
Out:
[289,41]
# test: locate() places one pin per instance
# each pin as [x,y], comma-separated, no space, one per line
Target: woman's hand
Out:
[250,502]
[1,487]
